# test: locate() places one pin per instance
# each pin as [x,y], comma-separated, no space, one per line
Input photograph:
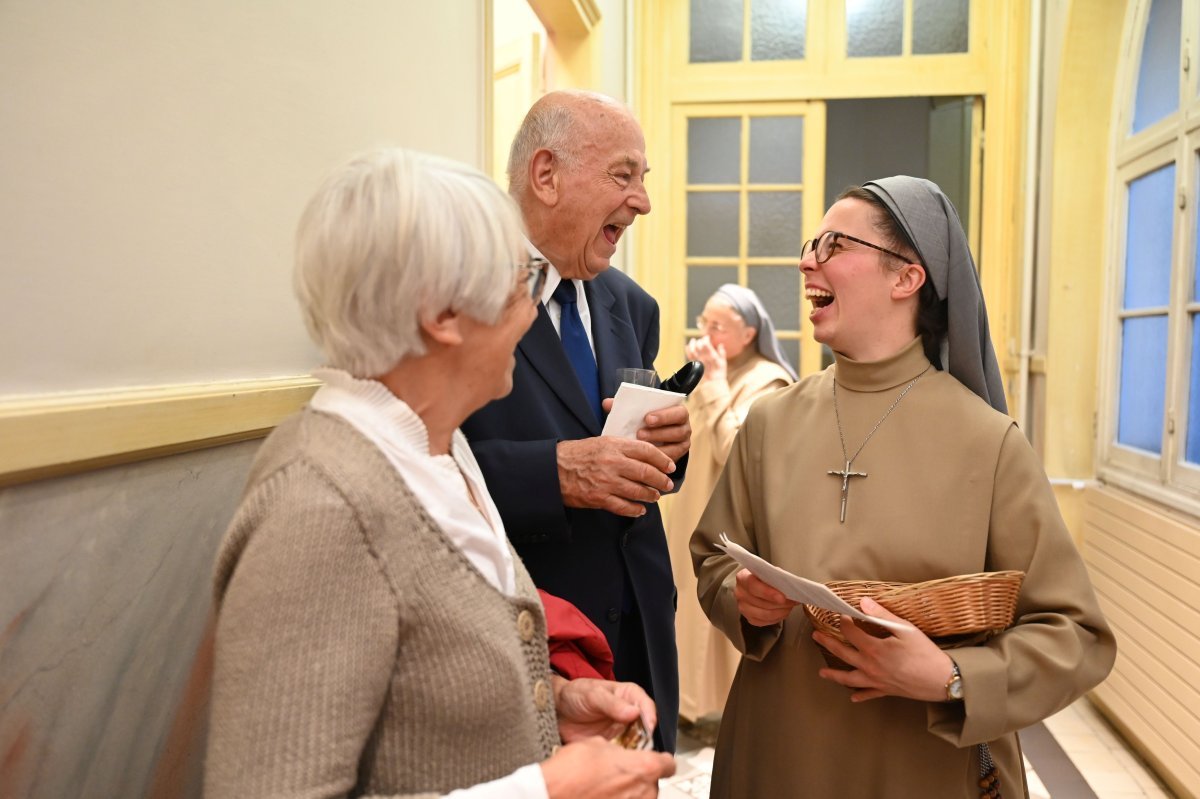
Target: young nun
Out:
[742,362]
[897,463]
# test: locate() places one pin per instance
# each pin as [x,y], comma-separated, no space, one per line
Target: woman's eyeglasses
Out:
[532,274]
[823,246]
[706,325]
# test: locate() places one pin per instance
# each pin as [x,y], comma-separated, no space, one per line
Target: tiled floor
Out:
[1097,764]
[1110,767]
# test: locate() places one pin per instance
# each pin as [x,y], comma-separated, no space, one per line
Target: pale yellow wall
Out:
[1080,163]
[154,158]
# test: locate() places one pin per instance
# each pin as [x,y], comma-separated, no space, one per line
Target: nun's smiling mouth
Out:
[820,298]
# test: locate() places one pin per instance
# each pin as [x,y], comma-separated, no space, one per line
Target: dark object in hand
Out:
[686,379]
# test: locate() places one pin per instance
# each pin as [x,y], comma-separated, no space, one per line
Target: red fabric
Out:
[577,647]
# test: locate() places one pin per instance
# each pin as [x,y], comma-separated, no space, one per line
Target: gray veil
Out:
[750,308]
[932,224]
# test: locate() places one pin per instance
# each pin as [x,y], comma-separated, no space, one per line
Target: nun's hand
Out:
[759,603]
[702,350]
[906,664]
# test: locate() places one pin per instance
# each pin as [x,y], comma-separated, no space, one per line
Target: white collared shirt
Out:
[553,278]
[437,481]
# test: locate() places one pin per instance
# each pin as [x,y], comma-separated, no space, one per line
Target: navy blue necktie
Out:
[575,343]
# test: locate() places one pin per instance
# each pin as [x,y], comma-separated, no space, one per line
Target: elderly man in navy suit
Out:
[581,509]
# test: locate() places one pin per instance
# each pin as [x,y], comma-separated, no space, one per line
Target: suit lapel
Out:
[542,346]
[616,343]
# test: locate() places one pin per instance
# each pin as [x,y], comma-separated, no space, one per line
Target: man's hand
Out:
[759,603]
[589,707]
[669,430]
[613,474]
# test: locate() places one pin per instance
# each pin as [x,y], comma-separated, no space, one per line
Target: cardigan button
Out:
[541,694]
[525,625]
[614,615]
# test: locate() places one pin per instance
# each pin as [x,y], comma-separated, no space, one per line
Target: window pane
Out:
[779,289]
[1143,382]
[712,223]
[716,31]
[702,282]
[874,27]
[940,26]
[714,150]
[1192,450]
[1148,239]
[1158,72]
[776,149]
[791,348]
[777,29]
[775,223]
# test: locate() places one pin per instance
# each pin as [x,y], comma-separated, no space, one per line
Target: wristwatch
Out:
[954,686]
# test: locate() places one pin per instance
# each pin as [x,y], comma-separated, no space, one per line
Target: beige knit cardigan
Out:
[358,651]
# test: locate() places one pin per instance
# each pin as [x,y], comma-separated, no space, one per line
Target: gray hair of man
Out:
[550,125]
[394,237]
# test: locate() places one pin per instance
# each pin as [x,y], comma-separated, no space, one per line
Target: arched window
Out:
[1150,403]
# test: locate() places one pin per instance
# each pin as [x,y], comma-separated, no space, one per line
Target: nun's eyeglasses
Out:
[705,325]
[824,245]
[532,274]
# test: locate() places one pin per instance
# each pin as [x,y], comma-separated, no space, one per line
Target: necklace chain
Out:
[837,415]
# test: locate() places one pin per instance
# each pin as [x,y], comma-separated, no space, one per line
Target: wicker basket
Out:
[947,610]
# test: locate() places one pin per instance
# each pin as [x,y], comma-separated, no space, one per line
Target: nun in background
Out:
[742,362]
[897,463]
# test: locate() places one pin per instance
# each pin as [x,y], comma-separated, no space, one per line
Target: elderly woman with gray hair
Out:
[742,362]
[375,633]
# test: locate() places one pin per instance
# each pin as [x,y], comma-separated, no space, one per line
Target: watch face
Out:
[955,688]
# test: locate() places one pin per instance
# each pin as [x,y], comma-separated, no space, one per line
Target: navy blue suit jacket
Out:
[599,561]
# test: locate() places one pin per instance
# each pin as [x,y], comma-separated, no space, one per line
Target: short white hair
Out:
[394,237]
[551,125]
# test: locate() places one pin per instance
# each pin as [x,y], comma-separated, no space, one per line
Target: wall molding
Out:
[51,436]
[572,18]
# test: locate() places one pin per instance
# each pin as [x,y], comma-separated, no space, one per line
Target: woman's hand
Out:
[906,664]
[594,768]
[759,603]
[713,358]
[589,707]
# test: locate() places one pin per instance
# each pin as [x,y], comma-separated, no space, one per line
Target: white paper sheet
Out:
[630,406]
[799,589]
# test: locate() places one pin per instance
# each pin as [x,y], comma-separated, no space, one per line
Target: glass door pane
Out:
[716,31]
[777,29]
[745,186]
[940,26]
[874,28]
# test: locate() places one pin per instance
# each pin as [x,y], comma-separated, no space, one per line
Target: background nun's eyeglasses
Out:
[706,325]
[825,245]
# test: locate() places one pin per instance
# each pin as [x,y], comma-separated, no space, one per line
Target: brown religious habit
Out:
[954,488]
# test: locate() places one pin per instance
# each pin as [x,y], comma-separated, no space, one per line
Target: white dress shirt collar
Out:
[439,482]
[553,278]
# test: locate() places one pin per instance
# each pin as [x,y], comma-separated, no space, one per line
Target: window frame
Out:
[1166,478]
[826,71]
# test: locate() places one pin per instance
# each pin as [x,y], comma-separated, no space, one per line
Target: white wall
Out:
[614,50]
[154,159]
